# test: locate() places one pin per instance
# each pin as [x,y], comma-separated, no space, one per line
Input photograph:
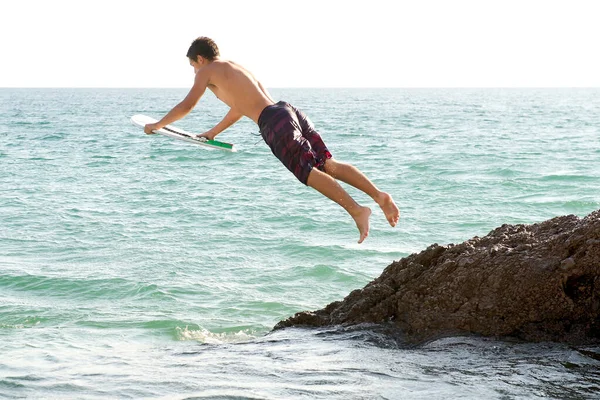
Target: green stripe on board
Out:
[219,144]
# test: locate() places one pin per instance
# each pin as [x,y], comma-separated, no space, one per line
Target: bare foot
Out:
[362,222]
[391,211]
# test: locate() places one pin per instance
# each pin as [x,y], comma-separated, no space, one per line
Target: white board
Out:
[179,134]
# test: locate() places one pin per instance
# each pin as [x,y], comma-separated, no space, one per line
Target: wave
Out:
[205,336]
[84,288]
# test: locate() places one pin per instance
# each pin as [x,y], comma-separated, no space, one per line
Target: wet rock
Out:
[567,263]
[534,282]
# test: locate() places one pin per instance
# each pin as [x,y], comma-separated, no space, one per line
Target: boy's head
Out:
[203,47]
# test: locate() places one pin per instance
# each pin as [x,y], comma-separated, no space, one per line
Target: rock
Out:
[567,263]
[533,282]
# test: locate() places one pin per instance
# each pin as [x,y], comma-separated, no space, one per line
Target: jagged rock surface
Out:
[533,282]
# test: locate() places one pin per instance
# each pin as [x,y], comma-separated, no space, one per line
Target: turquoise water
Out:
[136,266]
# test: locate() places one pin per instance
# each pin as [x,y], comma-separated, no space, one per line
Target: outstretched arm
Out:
[182,109]
[231,118]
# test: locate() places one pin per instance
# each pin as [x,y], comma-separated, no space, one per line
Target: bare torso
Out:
[238,88]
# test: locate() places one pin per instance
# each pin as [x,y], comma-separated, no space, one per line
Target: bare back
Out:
[238,88]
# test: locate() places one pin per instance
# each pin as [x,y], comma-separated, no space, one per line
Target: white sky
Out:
[304,43]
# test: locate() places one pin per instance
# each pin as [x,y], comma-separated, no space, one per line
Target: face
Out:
[196,65]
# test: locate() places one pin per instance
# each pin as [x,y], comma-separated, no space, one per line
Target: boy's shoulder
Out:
[219,65]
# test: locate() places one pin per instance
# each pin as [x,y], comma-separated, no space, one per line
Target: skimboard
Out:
[177,133]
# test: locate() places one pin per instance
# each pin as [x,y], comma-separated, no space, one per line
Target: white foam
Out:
[205,336]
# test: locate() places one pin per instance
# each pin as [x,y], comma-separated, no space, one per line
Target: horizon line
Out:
[310,87]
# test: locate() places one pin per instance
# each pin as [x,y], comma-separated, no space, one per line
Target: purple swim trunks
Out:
[293,139]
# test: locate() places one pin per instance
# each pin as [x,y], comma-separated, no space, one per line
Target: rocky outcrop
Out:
[533,282]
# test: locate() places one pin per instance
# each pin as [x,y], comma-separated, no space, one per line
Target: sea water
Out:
[137,266]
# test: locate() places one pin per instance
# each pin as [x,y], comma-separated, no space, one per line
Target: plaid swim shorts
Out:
[293,139]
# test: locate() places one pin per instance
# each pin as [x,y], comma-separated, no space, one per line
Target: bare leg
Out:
[352,176]
[330,188]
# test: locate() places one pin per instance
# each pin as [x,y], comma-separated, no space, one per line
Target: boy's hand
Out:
[150,127]
[207,135]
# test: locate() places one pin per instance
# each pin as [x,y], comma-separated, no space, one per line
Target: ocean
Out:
[138,266]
